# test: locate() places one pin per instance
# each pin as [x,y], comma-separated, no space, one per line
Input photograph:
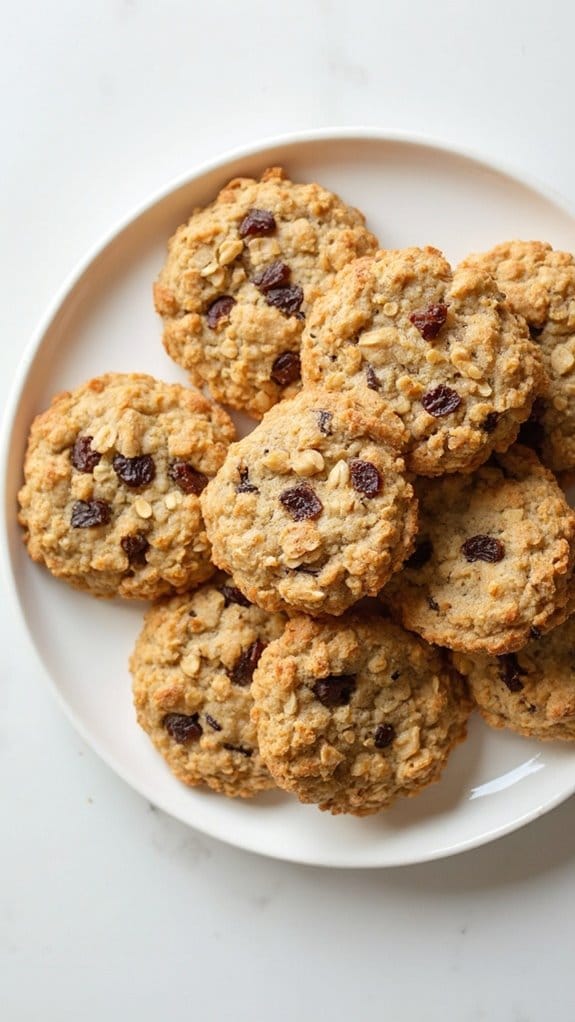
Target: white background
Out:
[108,909]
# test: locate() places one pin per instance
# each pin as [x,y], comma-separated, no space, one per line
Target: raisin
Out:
[183,727]
[82,456]
[243,669]
[335,690]
[286,368]
[256,223]
[287,299]
[213,723]
[324,421]
[441,401]
[233,595]
[483,548]
[431,603]
[421,555]
[384,735]
[275,275]
[490,422]
[134,472]
[219,308]
[510,672]
[535,331]
[244,486]
[186,477]
[135,547]
[86,513]
[365,478]
[395,675]
[301,502]
[430,320]
[238,748]
[371,376]
[535,632]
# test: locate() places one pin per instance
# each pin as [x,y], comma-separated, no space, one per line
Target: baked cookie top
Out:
[312,509]
[494,557]
[239,278]
[532,691]
[353,713]
[540,285]
[441,347]
[113,473]
[192,669]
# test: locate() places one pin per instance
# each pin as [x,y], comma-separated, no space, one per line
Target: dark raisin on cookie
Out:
[431,603]
[186,477]
[441,401]
[277,274]
[535,632]
[365,478]
[135,547]
[335,690]
[430,320]
[88,513]
[371,377]
[324,421]
[233,595]
[256,223]
[243,669]
[301,502]
[535,331]
[286,368]
[384,735]
[219,308]
[244,485]
[287,299]
[135,472]
[510,672]
[183,727]
[243,749]
[83,458]
[483,548]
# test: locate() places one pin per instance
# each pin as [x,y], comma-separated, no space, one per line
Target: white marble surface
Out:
[108,909]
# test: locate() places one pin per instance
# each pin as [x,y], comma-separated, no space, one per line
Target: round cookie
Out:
[192,668]
[353,713]
[540,285]
[494,557]
[442,348]
[532,691]
[312,510]
[113,473]
[239,278]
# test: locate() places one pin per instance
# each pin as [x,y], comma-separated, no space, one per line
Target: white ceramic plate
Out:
[413,193]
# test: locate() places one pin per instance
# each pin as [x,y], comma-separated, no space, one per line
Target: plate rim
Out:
[16,393]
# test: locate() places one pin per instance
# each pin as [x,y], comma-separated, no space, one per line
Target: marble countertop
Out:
[109,908]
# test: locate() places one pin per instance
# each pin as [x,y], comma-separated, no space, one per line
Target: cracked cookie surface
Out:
[239,278]
[532,691]
[441,347]
[113,473]
[494,557]
[353,713]
[192,668]
[540,285]
[312,509]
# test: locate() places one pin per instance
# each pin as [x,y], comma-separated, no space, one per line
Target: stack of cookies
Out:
[336,590]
